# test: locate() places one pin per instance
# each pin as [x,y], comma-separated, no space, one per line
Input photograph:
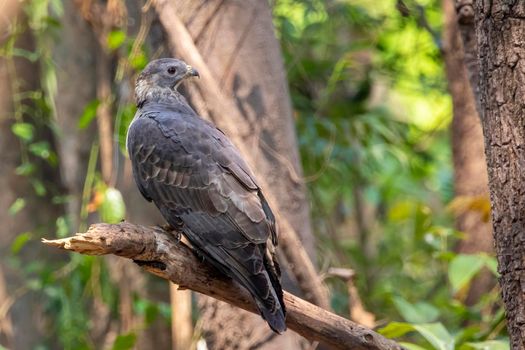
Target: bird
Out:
[203,187]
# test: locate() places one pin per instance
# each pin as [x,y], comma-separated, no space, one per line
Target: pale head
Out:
[162,77]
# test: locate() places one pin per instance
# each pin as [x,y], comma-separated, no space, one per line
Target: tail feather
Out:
[277,319]
[260,278]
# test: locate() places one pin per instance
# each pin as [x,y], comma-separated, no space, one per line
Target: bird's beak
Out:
[191,72]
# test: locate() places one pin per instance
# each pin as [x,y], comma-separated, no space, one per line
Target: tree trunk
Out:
[470,170]
[238,44]
[500,31]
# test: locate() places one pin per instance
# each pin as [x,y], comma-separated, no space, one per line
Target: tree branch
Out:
[159,252]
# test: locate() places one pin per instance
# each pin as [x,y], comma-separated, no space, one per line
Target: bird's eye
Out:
[172,70]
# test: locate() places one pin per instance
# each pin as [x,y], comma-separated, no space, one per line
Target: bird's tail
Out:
[272,306]
[255,268]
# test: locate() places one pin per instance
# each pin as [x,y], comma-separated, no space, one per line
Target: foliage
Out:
[372,113]
[68,289]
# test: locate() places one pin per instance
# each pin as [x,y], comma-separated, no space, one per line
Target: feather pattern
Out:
[195,176]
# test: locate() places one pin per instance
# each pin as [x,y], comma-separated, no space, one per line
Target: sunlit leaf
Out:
[115,39]
[113,209]
[139,61]
[436,335]
[416,313]
[39,187]
[89,113]
[25,169]
[29,55]
[40,149]
[462,269]
[396,329]
[401,210]
[492,264]
[17,205]
[487,345]
[23,130]
[411,346]
[20,241]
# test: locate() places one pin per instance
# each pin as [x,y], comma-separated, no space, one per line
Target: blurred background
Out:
[357,114]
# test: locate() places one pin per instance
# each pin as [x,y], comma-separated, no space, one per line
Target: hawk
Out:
[202,186]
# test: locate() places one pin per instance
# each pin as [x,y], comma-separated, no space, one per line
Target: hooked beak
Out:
[191,72]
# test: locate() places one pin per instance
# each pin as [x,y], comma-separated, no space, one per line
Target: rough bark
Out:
[243,90]
[160,253]
[18,75]
[470,169]
[500,32]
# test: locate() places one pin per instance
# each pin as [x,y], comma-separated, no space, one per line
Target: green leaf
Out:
[416,313]
[115,39]
[40,149]
[20,241]
[436,334]
[113,209]
[124,342]
[492,264]
[62,227]
[25,131]
[463,268]
[89,113]
[411,346]
[17,205]
[396,329]
[25,169]
[32,56]
[139,61]
[39,187]
[487,345]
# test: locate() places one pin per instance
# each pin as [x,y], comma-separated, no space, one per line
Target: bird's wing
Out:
[187,163]
[195,176]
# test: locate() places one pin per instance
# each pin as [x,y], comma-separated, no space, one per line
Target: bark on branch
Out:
[159,252]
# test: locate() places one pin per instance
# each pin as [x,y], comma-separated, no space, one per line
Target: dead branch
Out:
[159,252]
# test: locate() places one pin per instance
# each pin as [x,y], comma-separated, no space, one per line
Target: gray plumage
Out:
[201,185]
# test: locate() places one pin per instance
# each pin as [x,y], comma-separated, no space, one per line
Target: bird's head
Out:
[162,76]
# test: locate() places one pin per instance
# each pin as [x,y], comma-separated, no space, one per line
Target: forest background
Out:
[359,115]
